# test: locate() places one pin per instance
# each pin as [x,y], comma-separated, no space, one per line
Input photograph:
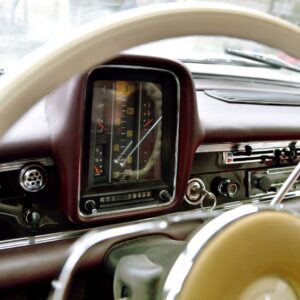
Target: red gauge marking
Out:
[98,171]
[148,122]
[100,125]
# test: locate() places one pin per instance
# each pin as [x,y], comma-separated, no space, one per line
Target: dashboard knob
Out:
[229,188]
[90,206]
[33,218]
[164,195]
[248,150]
[264,183]
[290,152]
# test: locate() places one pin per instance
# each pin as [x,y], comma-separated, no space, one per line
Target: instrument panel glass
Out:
[126,131]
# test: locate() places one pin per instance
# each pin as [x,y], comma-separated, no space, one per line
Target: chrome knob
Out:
[33,178]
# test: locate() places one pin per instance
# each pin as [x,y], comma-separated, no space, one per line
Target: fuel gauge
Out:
[101,126]
[98,161]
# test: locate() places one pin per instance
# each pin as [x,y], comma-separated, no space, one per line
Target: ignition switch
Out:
[196,193]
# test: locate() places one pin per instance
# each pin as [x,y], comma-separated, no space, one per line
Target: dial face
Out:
[126,131]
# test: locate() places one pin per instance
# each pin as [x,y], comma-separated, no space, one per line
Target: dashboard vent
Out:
[255,97]
[33,178]
[263,155]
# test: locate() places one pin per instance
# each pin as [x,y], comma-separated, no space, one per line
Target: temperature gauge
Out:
[102,111]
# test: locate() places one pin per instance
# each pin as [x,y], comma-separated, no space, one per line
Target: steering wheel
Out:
[93,44]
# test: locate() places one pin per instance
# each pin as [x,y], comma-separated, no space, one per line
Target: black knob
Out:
[90,205]
[248,150]
[278,153]
[33,218]
[290,153]
[229,188]
[164,195]
[264,183]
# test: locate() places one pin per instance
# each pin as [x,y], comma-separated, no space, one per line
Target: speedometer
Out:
[127,120]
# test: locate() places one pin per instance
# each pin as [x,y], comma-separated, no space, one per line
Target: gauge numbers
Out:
[127,122]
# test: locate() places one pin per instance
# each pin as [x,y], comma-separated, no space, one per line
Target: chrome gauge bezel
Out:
[113,191]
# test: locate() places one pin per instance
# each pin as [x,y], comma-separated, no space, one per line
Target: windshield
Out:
[26,25]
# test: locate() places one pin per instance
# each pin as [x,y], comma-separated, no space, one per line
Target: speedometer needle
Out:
[144,137]
[148,123]
[118,159]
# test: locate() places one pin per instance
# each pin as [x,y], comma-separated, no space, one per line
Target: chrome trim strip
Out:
[257,199]
[40,239]
[220,147]
[114,212]
[247,161]
[280,170]
[196,214]
[18,164]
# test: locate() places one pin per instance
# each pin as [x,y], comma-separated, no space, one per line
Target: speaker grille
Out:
[33,178]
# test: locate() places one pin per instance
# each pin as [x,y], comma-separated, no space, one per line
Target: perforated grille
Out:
[33,178]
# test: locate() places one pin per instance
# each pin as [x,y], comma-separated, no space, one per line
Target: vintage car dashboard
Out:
[141,137]
[138,138]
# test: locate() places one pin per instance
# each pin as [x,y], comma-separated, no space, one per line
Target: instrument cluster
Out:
[130,158]
[126,131]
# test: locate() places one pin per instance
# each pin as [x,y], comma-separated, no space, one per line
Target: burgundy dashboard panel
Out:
[69,112]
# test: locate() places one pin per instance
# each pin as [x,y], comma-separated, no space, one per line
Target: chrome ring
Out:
[211,197]
[200,199]
[34,182]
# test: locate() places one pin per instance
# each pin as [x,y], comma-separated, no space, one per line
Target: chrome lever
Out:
[286,186]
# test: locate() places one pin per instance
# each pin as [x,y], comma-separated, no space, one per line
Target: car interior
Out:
[129,176]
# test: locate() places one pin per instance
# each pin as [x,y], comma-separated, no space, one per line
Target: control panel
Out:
[242,173]
[28,198]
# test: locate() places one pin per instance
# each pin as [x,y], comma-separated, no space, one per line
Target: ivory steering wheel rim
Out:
[93,44]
